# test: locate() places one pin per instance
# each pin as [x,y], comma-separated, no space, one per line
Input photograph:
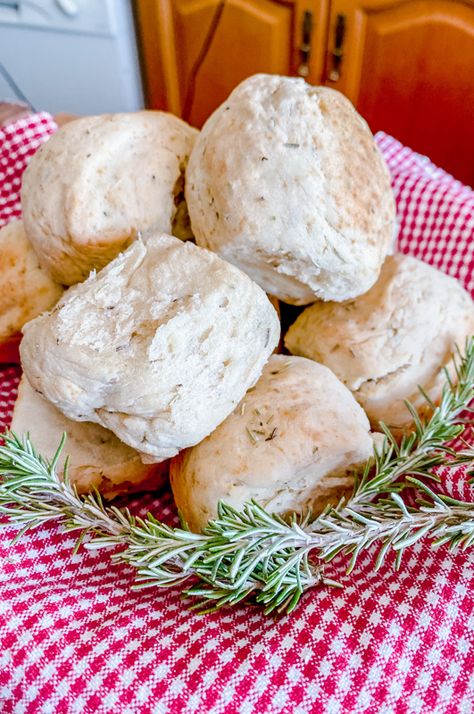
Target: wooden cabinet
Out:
[196,51]
[250,35]
[407,65]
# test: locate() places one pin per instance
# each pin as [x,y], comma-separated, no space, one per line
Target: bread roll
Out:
[97,458]
[26,289]
[99,181]
[290,445]
[387,342]
[158,347]
[286,182]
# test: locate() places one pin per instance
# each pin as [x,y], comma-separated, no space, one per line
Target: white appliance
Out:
[77,56]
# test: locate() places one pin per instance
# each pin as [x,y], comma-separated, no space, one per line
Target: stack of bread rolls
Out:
[177,245]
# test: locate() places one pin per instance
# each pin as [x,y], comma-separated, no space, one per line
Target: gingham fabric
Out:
[76,639]
[18,143]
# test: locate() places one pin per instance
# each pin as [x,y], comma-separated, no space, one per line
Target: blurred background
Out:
[407,65]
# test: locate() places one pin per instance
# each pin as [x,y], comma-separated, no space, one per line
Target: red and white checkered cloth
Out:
[18,143]
[76,639]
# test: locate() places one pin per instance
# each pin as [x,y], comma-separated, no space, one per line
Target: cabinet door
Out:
[196,51]
[408,66]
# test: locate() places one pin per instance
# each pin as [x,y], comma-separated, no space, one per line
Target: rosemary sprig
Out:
[252,552]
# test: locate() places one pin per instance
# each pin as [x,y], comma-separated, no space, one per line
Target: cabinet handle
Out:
[337,54]
[305,46]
